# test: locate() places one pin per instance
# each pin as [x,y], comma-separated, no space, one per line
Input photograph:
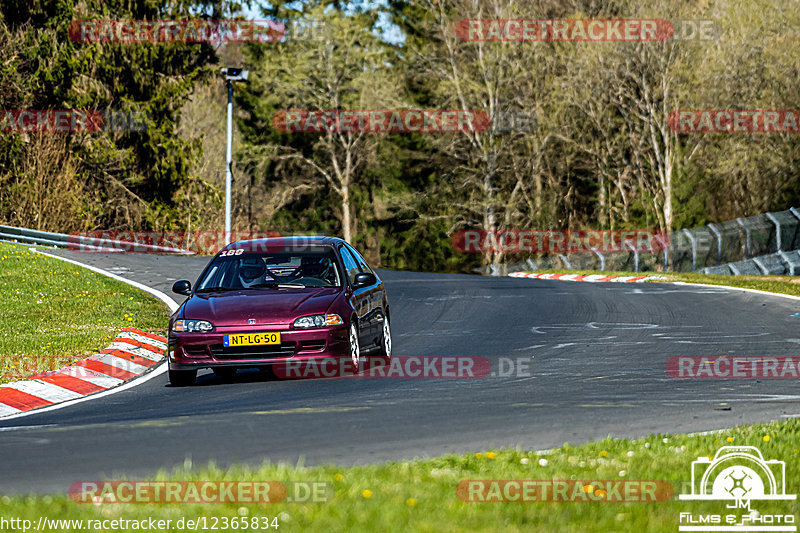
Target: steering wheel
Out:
[273,275]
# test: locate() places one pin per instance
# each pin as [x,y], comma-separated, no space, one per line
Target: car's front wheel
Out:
[182,378]
[355,349]
[386,340]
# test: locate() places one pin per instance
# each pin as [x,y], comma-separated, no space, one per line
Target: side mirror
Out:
[182,287]
[364,279]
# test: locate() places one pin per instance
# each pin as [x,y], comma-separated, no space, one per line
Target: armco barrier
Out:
[777,264]
[766,244]
[62,240]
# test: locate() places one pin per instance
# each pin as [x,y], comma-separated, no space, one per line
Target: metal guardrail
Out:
[82,243]
[11,233]
[761,244]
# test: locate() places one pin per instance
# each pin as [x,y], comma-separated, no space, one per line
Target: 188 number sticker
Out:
[231,252]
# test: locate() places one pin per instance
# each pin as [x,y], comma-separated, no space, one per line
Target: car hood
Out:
[266,306]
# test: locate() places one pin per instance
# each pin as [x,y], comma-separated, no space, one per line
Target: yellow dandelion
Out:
[478,455]
[766,438]
[603,453]
[491,455]
[411,502]
[366,493]
[338,477]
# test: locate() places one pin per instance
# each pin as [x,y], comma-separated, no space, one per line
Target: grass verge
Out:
[420,495]
[55,313]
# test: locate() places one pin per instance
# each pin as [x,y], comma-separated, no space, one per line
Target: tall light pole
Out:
[231,74]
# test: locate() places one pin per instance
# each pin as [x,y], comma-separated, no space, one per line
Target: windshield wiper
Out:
[213,289]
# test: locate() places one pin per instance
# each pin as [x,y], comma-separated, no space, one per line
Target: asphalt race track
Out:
[596,352]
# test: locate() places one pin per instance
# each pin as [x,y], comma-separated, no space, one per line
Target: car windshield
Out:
[242,270]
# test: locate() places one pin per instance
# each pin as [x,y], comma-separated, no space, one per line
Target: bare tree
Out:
[331,62]
[498,169]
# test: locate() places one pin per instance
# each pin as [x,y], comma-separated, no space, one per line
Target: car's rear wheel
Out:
[182,378]
[355,349]
[224,372]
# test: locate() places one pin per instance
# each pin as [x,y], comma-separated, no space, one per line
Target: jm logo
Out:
[737,475]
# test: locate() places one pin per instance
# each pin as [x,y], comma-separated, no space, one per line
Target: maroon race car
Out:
[268,301]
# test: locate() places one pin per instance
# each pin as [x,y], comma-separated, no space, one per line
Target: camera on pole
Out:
[231,74]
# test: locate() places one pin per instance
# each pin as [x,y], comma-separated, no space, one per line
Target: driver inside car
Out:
[312,267]
[252,271]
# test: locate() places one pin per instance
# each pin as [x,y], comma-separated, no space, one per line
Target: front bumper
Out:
[189,351]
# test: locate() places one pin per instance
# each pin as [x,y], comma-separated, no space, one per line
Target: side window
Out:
[362,264]
[349,264]
[219,275]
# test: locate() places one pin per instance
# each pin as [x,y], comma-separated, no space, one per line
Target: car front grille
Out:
[269,351]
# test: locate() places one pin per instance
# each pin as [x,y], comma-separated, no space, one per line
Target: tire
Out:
[182,378]
[224,372]
[355,349]
[386,340]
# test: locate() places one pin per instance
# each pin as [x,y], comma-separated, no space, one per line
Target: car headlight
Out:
[192,325]
[318,321]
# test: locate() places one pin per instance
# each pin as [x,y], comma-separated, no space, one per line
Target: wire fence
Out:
[767,244]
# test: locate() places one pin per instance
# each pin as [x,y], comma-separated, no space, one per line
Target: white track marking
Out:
[594,277]
[135,350]
[142,338]
[124,364]
[6,410]
[756,291]
[87,374]
[45,391]
[160,369]
[18,428]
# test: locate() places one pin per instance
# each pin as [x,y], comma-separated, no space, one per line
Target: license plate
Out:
[252,339]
